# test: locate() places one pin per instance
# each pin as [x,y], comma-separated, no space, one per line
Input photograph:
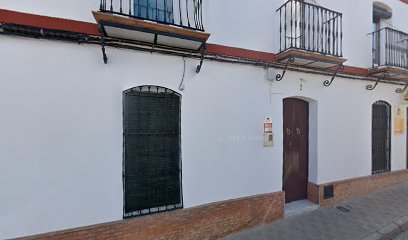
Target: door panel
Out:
[296,148]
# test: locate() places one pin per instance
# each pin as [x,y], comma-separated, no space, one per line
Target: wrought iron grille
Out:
[390,48]
[381,137]
[181,13]
[309,27]
[152,159]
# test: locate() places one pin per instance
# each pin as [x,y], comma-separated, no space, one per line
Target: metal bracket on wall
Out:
[401,90]
[279,76]
[203,51]
[105,57]
[340,68]
[383,76]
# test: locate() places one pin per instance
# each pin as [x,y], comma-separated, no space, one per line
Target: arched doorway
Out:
[295,149]
[381,137]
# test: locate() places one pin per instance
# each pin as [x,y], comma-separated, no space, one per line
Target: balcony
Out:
[172,23]
[390,54]
[310,35]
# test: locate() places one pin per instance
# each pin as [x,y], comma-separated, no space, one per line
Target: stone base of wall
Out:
[216,220]
[204,222]
[313,193]
[355,187]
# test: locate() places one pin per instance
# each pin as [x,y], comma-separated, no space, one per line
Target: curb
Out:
[389,231]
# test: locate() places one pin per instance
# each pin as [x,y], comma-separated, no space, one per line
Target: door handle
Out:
[287,131]
[298,131]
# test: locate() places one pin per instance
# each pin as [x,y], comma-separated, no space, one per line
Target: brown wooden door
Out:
[295,149]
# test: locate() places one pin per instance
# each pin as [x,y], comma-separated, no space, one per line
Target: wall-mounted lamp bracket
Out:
[279,76]
[383,76]
[339,68]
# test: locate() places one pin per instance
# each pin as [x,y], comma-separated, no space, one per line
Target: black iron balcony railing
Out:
[181,13]
[309,27]
[390,48]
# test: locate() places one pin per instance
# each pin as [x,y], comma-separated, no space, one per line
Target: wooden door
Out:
[295,149]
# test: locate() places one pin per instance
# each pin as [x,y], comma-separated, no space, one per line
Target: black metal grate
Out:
[390,48]
[152,165]
[328,192]
[381,137]
[310,27]
[186,14]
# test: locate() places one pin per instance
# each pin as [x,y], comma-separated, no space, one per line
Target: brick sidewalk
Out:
[366,217]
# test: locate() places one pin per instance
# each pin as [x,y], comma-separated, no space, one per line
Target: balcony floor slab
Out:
[310,59]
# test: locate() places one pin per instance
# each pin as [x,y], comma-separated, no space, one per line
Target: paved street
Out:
[367,214]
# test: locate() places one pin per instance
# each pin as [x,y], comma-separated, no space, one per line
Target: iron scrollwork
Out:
[279,76]
[383,76]
[340,68]
[401,90]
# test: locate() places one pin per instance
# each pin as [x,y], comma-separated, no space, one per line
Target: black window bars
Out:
[381,137]
[181,13]
[309,27]
[152,151]
[390,48]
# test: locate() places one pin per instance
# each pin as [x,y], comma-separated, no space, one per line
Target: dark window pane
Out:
[158,10]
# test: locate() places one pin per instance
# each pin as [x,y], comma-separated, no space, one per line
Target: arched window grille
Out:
[152,150]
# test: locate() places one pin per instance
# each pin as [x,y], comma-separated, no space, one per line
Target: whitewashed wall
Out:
[61,130]
[61,117]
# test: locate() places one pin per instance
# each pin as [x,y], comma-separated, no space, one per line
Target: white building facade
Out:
[63,147]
